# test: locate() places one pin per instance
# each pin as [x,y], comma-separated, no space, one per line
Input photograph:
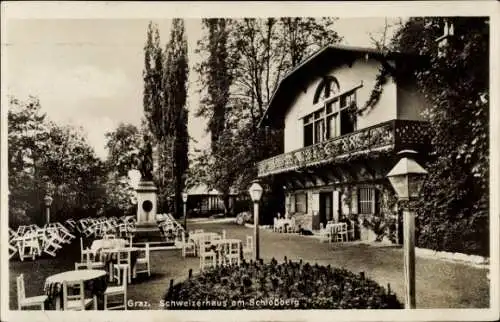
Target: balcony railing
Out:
[395,134]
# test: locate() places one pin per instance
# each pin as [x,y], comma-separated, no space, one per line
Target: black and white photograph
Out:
[249,161]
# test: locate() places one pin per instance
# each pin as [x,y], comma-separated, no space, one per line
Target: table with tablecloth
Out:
[198,237]
[99,244]
[110,256]
[94,281]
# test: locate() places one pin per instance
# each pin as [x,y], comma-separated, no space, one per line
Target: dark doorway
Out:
[325,207]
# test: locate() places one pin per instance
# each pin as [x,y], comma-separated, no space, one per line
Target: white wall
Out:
[348,77]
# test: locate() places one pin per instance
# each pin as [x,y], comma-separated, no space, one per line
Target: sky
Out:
[88,72]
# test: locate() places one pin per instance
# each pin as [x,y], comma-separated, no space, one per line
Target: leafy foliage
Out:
[250,56]
[165,76]
[453,212]
[305,286]
[48,158]
[215,74]
[122,143]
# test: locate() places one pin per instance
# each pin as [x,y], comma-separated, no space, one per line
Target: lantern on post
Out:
[407,178]
[255,192]
[48,202]
[184,201]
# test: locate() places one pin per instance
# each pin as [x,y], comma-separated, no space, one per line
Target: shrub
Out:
[289,285]
[244,217]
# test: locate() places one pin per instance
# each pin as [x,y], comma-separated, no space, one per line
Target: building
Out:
[203,201]
[335,160]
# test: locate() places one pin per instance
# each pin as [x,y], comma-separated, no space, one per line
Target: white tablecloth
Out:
[99,244]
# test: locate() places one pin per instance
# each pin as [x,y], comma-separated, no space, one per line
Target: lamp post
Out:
[407,178]
[255,191]
[184,200]
[48,201]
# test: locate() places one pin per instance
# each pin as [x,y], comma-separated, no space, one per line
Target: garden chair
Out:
[275,224]
[113,291]
[339,232]
[291,228]
[12,234]
[351,232]
[76,302]
[208,257]
[324,232]
[109,236]
[188,247]
[88,264]
[230,253]
[29,242]
[143,261]
[54,232]
[122,266]
[122,229]
[248,249]
[89,230]
[234,255]
[12,250]
[21,230]
[51,244]
[65,233]
[86,253]
[14,243]
[23,301]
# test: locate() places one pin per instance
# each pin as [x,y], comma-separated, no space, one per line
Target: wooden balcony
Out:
[392,135]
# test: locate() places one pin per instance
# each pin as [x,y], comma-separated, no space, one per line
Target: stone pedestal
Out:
[146,204]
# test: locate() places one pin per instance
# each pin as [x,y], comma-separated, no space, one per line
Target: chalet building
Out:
[335,159]
[203,201]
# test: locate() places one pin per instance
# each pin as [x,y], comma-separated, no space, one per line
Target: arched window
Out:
[332,117]
[328,86]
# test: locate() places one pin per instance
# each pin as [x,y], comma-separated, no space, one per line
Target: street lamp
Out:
[184,200]
[48,201]
[407,178]
[255,191]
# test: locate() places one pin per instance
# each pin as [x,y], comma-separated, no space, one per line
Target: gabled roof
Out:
[314,65]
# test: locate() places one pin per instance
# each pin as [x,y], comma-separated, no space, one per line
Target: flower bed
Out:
[289,285]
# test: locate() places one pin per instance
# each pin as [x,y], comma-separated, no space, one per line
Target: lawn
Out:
[440,284]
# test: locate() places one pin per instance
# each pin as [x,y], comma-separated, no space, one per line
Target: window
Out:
[366,200]
[308,135]
[331,120]
[301,202]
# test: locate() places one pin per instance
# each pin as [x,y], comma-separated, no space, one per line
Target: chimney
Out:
[444,41]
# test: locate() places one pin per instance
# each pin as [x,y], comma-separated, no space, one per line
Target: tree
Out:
[27,140]
[453,212]
[257,53]
[122,143]
[215,76]
[45,157]
[164,105]
[153,101]
[175,93]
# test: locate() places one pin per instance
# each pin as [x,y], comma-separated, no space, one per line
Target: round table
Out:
[94,281]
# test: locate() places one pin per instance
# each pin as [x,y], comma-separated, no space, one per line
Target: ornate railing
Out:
[389,135]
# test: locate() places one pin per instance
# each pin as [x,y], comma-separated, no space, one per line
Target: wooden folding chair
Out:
[23,301]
